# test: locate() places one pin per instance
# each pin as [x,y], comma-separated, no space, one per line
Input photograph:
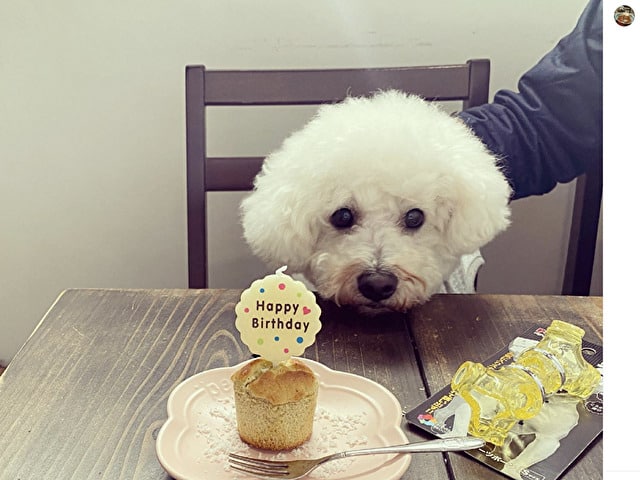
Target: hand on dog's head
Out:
[375,200]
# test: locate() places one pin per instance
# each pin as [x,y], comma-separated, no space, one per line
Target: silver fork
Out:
[293,469]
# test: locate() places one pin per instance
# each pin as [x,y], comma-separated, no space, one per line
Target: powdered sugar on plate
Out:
[332,432]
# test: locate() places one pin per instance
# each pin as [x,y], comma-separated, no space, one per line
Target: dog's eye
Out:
[414,218]
[342,218]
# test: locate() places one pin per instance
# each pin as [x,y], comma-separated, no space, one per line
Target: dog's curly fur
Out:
[379,157]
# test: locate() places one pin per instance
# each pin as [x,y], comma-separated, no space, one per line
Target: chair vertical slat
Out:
[583,235]
[479,71]
[196,192]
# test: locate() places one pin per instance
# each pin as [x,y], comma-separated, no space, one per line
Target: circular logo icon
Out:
[624,15]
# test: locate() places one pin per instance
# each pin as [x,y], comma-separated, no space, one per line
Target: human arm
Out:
[550,130]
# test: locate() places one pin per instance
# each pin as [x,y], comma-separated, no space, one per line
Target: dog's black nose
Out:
[377,286]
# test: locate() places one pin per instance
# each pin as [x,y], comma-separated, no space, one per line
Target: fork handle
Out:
[453,444]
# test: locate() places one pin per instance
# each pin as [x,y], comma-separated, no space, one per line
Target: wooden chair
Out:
[467,82]
[583,235]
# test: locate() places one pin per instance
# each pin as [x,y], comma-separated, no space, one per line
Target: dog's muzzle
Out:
[377,286]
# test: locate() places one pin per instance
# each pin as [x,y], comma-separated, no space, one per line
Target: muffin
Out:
[275,405]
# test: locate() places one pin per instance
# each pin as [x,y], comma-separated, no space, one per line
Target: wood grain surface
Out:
[381,349]
[86,395]
[88,392]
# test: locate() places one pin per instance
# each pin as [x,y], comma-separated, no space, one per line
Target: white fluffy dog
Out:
[375,200]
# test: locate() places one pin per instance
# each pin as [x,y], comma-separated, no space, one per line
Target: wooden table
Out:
[86,395]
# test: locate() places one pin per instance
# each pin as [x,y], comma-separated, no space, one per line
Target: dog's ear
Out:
[478,210]
[279,221]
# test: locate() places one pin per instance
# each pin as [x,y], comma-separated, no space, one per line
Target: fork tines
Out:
[256,466]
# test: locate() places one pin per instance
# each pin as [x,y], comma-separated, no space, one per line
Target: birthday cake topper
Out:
[277,317]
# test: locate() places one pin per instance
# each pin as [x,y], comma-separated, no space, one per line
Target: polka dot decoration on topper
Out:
[277,317]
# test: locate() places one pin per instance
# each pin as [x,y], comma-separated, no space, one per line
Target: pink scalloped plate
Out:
[353,412]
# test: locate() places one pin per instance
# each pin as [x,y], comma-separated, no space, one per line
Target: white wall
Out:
[92,168]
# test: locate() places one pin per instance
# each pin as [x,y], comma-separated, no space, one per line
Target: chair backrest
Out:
[583,236]
[467,82]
